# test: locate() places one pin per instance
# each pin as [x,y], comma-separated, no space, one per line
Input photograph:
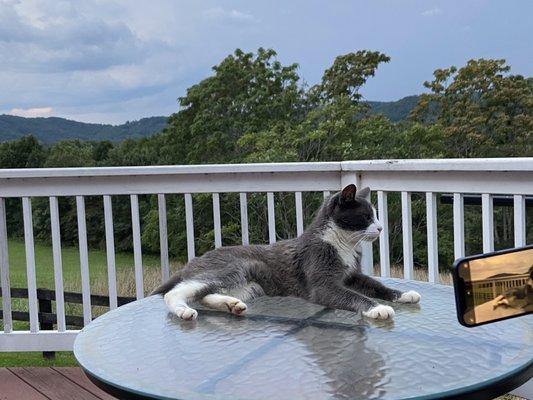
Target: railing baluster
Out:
[433,249]
[326,194]
[271,218]
[407,236]
[30,264]
[110,252]
[519,212]
[244,219]
[58,264]
[4,270]
[163,237]
[189,221]
[458,225]
[383,212]
[84,260]
[488,222]
[137,250]
[299,213]
[216,220]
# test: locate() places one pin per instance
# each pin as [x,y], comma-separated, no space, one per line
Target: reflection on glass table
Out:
[286,348]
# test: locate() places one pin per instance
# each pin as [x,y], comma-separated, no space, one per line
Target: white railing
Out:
[510,176]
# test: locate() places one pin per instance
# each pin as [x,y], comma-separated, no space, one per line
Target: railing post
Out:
[45,306]
[367,261]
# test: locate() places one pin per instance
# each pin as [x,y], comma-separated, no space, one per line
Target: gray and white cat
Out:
[321,266]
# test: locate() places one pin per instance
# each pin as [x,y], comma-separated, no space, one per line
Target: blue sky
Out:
[111,61]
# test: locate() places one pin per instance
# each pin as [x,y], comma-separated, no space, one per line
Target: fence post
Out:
[45,306]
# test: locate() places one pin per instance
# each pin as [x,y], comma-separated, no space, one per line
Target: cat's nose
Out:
[380,228]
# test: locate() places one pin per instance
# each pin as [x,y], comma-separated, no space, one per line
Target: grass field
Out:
[72,282]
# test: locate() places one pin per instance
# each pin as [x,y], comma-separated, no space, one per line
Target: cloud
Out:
[218,13]
[432,12]
[32,112]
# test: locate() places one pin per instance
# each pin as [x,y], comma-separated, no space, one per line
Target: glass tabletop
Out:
[286,348]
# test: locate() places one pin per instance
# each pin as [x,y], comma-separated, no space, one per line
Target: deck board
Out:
[48,383]
[78,376]
[12,387]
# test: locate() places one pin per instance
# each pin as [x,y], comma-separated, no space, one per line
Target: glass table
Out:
[286,348]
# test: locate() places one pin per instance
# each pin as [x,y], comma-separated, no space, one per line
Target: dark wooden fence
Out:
[47,318]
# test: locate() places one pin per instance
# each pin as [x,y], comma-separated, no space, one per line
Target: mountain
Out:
[53,129]
[394,110]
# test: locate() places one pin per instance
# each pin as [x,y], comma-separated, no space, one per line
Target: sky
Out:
[513,263]
[110,61]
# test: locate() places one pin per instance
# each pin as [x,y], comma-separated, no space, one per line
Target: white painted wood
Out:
[189,222]
[511,164]
[163,237]
[299,213]
[271,218]
[443,164]
[268,168]
[110,252]
[216,220]
[30,264]
[58,264]
[367,257]
[407,236]
[487,219]
[244,219]
[433,248]
[326,194]
[519,211]
[149,184]
[383,216]
[458,226]
[84,260]
[4,270]
[137,249]
[38,341]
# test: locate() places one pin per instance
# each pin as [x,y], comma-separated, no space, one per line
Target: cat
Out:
[520,297]
[322,266]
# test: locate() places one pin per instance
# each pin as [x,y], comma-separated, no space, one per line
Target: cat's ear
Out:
[364,192]
[348,193]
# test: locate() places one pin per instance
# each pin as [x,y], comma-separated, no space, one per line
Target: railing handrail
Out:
[445,164]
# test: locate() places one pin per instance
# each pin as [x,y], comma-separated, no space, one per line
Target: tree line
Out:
[255,109]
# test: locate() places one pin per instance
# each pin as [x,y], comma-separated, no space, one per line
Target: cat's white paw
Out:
[379,312]
[186,313]
[237,308]
[409,297]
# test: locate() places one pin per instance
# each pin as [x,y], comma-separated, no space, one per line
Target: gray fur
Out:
[308,267]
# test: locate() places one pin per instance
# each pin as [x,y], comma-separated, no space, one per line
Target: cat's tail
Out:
[168,285]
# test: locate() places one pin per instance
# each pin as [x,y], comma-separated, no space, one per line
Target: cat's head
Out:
[351,211]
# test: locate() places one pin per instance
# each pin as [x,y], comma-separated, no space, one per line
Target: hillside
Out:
[394,110]
[53,129]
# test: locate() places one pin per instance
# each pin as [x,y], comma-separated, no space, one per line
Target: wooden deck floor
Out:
[48,383]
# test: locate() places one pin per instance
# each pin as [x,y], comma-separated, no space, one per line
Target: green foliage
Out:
[483,111]
[255,109]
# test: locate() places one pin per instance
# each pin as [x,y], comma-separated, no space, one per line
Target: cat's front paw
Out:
[186,313]
[379,312]
[409,297]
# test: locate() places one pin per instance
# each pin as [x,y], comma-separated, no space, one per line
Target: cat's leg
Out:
[176,298]
[373,288]
[346,299]
[224,303]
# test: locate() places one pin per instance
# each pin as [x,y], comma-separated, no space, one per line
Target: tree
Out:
[247,93]
[481,109]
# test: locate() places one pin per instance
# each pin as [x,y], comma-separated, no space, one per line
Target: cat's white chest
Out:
[347,246]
